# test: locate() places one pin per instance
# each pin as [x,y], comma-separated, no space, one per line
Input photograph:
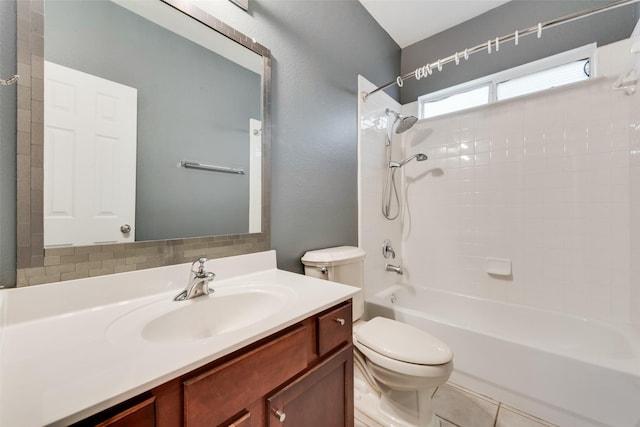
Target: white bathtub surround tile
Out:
[508,417]
[464,408]
[541,177]
[373,227]
[634,179]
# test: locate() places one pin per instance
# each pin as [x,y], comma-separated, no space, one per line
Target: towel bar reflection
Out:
[213,168]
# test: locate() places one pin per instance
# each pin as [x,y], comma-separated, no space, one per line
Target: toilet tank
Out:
[342,264]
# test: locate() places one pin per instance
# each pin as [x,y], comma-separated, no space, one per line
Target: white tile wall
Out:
[374,228]
[633,294]
[549,181]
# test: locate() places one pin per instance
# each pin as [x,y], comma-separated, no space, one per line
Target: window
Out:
[558,70]
[572,72]
[456,102]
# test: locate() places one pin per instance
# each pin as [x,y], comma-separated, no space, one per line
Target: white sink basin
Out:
[225,310]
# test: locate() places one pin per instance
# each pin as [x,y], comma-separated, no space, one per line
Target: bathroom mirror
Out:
[198,103]
[201,134]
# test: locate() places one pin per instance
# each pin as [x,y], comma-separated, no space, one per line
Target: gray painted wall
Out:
[192,105]
[604,28]
[318,49]
[7,145]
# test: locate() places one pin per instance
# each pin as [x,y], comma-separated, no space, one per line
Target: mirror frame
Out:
[37,265]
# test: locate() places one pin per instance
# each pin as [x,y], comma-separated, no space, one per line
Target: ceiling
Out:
[409,21]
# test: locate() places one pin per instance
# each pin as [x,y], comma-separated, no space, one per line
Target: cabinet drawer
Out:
[138,412]
[334,328]
[216,395]
[242,420]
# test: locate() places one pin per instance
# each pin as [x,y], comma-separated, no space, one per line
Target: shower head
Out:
[419,157]
[405,124]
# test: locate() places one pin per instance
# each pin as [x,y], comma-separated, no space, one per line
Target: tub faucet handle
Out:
[387,250]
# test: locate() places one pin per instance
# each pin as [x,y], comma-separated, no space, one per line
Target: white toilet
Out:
[398,367]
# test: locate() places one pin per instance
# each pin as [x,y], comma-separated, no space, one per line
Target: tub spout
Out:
[395,268]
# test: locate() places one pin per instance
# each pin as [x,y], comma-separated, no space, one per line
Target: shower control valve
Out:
[387,249]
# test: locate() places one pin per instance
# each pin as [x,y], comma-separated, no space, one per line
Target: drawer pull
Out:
[340,321]
[280,415]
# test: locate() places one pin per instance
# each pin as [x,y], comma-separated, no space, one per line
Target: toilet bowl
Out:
[406,366]
[397,367]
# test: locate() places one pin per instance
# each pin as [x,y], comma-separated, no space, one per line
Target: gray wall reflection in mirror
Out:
[193,104]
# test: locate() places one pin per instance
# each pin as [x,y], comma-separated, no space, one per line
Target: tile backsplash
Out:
[79,262]
[546,181]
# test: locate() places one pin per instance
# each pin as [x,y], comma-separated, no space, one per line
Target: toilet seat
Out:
[401,347]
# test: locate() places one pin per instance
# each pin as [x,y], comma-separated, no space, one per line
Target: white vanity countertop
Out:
[58,365]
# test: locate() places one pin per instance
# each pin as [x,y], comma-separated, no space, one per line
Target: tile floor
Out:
[459,407]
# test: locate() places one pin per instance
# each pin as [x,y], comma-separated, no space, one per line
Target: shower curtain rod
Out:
[494,43]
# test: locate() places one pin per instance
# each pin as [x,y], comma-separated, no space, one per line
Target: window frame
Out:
[493,80]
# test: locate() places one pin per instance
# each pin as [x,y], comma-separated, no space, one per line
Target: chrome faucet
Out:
[395,268]
[198,282]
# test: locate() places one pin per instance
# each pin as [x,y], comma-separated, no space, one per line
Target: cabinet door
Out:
[323,397]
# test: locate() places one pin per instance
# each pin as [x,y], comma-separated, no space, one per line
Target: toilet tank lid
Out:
[403,342]
[333,256]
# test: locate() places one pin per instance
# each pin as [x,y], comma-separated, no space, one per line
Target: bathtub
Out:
[566,370]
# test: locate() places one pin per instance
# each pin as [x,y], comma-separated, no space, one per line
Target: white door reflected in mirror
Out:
[89,159]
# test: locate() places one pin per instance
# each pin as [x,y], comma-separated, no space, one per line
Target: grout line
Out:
[495,422]
[450,422]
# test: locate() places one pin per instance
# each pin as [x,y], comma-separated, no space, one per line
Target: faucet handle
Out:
[200,268]
[387,249]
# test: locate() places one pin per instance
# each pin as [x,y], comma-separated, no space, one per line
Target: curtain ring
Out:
[539,29]
[418,75]
[516,34]
[497,44]
[466,54]
[439,64]
[399,81]
[429,69]
[457,59]
[489,47]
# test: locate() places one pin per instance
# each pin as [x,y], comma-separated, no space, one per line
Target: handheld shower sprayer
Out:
[389,192]
[419,157]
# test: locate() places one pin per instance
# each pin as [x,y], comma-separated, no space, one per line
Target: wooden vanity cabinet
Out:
[219,393]
[136,412]
[299,377]
[321,397]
